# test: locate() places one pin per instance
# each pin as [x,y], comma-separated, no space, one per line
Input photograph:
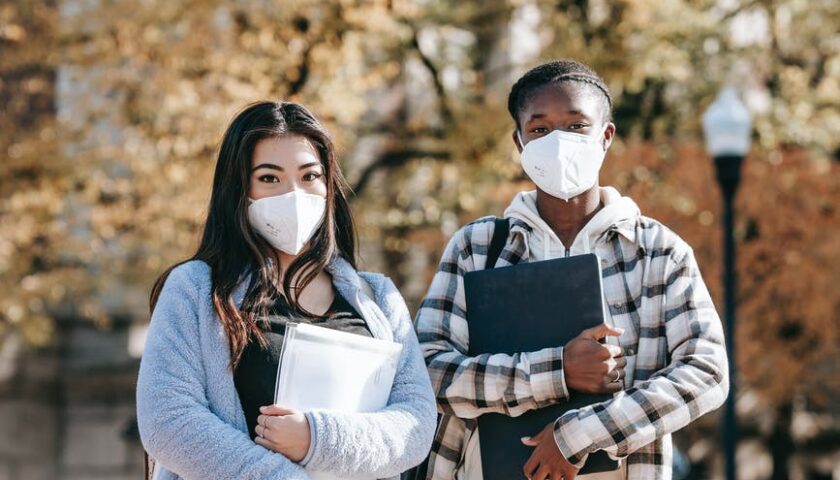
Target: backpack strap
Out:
[497,243]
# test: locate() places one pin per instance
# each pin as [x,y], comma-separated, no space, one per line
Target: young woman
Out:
[278,246]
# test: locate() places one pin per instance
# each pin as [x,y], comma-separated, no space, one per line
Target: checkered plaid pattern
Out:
[677,368]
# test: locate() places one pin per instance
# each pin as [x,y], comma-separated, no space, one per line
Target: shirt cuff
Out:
[313,438]
[572,441]
[547,377]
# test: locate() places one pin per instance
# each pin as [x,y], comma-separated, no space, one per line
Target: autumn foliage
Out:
[111,115]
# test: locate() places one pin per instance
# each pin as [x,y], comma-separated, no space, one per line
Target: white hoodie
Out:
[544,244]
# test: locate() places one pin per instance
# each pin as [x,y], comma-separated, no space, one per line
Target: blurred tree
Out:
[32,172]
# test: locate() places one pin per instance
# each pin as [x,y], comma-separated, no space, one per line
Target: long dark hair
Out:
[233,250]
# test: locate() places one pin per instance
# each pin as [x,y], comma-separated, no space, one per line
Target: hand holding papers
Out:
[323,369]
[331,370]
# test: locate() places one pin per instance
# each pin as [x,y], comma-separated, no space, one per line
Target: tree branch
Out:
[445,111]
[303,73]
[394,159]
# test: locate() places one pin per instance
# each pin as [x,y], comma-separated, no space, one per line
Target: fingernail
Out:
[262,409]
[525,439]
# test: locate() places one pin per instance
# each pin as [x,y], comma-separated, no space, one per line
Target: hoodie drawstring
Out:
[546,249]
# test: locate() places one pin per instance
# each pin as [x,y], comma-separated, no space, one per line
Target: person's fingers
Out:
[264,442]
[593,332]
[621,362]
[542,473]
[278,423]
[601,331]
[260,430]
[621,374]
[276,410]
[613,387]
[570,475]
[271,421]
[602,353]
[530,465]
[530,441]
[269,430]
[615,351]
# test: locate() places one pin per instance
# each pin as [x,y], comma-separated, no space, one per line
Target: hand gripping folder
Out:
[525,308]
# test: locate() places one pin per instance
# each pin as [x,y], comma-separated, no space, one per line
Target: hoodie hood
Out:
[618,213]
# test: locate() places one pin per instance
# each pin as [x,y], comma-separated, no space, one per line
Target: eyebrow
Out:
[538,115]
[278,167]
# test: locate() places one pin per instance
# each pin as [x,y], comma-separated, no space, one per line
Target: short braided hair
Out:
[558,71]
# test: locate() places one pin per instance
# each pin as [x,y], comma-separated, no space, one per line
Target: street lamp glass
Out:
[727,125]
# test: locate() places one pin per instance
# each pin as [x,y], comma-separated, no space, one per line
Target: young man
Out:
[663,357]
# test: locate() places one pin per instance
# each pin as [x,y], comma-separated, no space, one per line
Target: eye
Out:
[268,178]
[312,176]
[539,130]
[577,126]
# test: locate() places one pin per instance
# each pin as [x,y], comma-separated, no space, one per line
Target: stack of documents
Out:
[324,369]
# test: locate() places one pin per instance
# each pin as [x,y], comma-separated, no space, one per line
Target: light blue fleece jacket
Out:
[190,418]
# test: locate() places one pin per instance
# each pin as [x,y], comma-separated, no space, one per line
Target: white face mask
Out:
[563,164]
[287,221]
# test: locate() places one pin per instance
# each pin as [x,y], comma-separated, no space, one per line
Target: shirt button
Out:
[617,306]
[629,351]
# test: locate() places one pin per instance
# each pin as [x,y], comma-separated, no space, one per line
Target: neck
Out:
[567,219]
[285,259]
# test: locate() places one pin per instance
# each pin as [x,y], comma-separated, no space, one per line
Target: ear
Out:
[609,134]
[515,138]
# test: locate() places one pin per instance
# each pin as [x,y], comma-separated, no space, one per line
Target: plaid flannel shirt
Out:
[676,371]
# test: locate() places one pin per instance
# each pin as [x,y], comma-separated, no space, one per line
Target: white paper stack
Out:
[324,369]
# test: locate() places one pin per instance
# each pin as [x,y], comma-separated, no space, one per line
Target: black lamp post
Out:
[727,126]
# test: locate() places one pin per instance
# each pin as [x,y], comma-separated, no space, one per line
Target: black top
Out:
[256,374]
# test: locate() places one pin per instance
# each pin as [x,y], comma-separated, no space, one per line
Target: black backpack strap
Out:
[497,243]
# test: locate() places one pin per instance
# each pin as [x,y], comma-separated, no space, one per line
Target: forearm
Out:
[694,382]
[206,447]
[179,431]
[381,444]
[468,387]
[669,401]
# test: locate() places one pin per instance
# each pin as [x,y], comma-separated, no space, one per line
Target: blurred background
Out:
[111,112]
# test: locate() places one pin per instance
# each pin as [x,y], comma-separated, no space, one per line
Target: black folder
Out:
[525,308]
